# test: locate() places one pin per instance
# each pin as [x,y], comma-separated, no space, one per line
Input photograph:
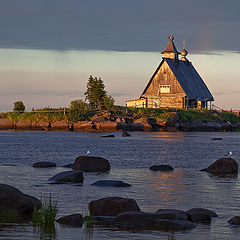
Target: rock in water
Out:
[223,165]
[13,199]
[91,164]
[44,165]
[75,220]
[126,134]
[67,177]
[235,220]
[161,168]
[112,206]
[110,183]
[200,215]
[150,221]
[108,136]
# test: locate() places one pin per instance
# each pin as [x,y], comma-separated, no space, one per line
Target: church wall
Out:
[174,98]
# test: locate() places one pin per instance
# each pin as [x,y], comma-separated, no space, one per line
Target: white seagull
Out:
[87,152]
[229,154]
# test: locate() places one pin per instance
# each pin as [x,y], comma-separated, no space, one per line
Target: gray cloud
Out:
[126,25]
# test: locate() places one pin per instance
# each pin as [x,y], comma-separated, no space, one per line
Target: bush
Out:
[79,111]
[19,106]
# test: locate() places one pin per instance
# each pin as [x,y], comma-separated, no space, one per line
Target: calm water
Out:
[130,158]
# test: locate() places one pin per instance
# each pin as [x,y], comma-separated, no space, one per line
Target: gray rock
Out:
[161,168]
[110,183]
[67,177]
[234,220]
[112,206]
[13,199]
[75,220]
[150,221]
[91,164]
[200,215]
[44,165]
[172,214]
[223,165]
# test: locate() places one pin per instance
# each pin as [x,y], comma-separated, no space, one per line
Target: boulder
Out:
[200,215]
[150,221]
[112,206]
[23,125]
[145,122]
[129,126]
[13,199]
[110,183]
[75,220]
[60,126]
[43,165]
[234,220]
[41,125]
[223,165]
[83,126]
[106,126]
[5,124]
[67,177]
[91,164]
[172,214]
[126,134]
[161,168]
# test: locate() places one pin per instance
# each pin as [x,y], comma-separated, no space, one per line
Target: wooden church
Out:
[174,84]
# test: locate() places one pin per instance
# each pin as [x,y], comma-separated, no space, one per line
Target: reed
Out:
[45,216]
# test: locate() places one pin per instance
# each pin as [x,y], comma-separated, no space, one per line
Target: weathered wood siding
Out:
[173,99]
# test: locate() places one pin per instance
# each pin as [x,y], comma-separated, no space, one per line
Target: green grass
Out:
[46,214]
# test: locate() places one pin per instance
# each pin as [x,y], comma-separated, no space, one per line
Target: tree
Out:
[19,106]
[78,111]
[108,102]
[95,92]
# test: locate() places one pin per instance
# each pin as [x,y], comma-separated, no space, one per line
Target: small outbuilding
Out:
[174,84]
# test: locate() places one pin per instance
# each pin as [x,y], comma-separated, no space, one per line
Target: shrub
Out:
[19,106]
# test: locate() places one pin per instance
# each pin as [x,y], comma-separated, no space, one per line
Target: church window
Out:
[164,88]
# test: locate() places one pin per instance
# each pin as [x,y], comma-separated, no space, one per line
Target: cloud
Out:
[136,25]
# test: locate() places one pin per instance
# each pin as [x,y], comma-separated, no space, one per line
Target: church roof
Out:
[189,79]
[171,46]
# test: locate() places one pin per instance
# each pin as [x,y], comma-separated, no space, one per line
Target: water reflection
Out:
[44,232]
[87,233]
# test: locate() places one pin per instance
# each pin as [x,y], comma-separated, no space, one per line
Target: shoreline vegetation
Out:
[84,119]
[99,114]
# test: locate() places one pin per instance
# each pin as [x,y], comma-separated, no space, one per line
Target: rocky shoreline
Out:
[113,122]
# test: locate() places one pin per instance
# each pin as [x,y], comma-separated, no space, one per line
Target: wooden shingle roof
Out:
[189,79]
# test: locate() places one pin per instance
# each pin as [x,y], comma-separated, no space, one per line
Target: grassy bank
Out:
[183,115]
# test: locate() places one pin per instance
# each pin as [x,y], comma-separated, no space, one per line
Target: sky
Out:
[48,49]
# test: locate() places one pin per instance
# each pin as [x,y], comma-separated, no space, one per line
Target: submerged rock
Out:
[200,215]
[126,134]
[150,221]
[161,168]
[234,220]
[67,177]
[108,136]
[110,183]
[13,199]
[91,164]
[43,165]
[112,206]
[75,220]
[223,165]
